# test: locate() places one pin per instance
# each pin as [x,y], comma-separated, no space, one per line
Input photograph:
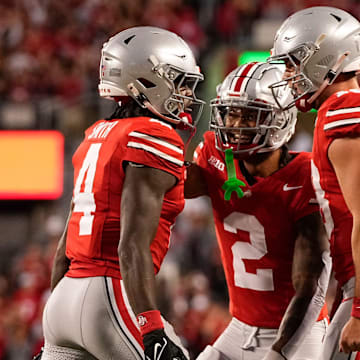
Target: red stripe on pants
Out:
[124,311]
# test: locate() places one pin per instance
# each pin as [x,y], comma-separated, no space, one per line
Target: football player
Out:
[269,230]
[128,190]
[320,47]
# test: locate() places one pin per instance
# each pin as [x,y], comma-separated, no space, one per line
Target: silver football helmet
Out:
[245,95]
[318,43]
[153,66]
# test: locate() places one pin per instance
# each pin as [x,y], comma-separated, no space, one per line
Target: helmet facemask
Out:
[245,116]
[243,139]
[183,98]
[294,76]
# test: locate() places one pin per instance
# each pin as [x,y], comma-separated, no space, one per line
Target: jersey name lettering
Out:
[102,130]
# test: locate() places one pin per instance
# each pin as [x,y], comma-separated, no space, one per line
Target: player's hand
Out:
[350,336]
[159,347]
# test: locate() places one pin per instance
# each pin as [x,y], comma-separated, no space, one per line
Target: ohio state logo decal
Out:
[142,320]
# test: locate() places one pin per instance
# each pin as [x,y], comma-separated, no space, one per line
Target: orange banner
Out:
[31,164]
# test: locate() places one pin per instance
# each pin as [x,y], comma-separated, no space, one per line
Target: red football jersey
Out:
[94,228]
[256,233]
[338,116]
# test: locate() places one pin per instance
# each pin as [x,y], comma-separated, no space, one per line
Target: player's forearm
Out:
[141,205]
[303,310]
[137,271]
[296,323]
[293,321]
[138,229]
[59,269]
[355,244]
[61,262]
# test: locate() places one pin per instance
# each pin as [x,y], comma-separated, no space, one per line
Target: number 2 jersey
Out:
[99,173]
[338,117]
[256,234]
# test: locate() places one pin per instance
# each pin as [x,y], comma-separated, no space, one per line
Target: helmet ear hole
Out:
[126,41]
[146,83]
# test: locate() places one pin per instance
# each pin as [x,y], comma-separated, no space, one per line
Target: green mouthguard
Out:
[232,183]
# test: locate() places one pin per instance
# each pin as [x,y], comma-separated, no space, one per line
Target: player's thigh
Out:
[311,346]
[108,324]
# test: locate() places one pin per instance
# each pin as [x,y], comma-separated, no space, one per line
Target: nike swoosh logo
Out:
[288,38]
[288,188]
[158,349]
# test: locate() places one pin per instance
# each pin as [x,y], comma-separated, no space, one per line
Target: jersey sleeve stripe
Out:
[338,123]
[342,111]
[161,123]
[157,141]
[154,151]
[195,155]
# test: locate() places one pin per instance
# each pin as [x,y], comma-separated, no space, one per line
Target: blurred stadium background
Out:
[49,57]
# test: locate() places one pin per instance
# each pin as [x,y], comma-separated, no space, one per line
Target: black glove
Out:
[38,356]
[159,347]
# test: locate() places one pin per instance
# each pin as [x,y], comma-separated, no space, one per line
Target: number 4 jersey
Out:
[99,173]
[256,233]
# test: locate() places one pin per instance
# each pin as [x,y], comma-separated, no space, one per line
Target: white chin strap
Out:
[147,104]
[327,81]
[155,112]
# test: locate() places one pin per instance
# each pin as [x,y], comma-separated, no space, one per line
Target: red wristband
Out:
[149,321]
[355,311]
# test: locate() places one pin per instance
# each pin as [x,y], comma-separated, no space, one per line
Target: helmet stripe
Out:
[244,76]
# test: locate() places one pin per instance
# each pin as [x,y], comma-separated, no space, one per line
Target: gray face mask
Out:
[246,90]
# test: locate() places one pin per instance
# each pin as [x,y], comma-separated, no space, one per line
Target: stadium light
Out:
[249,56]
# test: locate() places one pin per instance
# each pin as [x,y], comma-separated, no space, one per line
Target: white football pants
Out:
[240,341]
[90,318]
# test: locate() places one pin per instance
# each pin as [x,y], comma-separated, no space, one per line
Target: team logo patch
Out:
[216,163]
